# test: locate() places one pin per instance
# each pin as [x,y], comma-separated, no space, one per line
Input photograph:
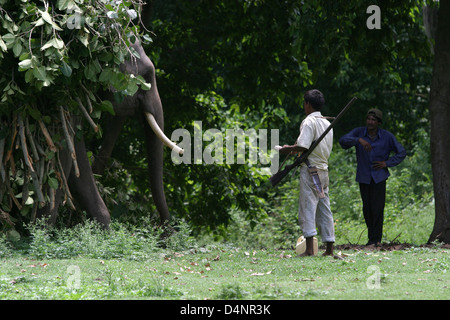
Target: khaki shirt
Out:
[311,129]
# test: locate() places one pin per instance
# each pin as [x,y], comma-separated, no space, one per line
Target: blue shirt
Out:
[382,147]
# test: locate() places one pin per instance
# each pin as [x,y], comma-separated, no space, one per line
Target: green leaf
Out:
[3,45]
[38,22]
[40,73]
[9,39]
[34,113]
[47,45]
[106,105]
[53,183]
[55,43]
[66,69]
[135,53]
[84,39]
[65,4]
[25,65]
[105,75]
[29,76]
[144,85]
[132,87]
[48,18]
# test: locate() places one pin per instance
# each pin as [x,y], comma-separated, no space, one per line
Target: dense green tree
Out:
[55,58]
[260,56]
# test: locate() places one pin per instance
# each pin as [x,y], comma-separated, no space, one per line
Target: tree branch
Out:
[69,140]
[47,136]
[26,156]
[86,115]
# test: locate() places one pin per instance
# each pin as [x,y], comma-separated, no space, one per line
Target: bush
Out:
[121,241]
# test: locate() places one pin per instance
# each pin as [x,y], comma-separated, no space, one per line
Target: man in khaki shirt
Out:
[314,208]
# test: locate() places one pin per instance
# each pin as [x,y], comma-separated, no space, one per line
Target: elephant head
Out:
[148,100]
[147,105]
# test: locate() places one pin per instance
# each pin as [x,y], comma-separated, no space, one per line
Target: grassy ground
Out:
[232,273]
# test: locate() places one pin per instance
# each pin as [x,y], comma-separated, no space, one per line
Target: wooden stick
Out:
[2,169]
[86,115]
[89,103]
[47,136]
[26,156]
[64,182]
[69,141]
[31,140]
[25,190]
[13,138]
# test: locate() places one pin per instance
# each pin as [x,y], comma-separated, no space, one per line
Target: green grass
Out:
[226,272]
[250,259]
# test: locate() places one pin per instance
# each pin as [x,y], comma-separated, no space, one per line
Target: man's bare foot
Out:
[305,254]
[329,251]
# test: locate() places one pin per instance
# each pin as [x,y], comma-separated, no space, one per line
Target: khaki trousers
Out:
[313,211]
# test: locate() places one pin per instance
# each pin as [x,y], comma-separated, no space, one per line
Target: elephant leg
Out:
[84,189]
[155,166]
[109,139]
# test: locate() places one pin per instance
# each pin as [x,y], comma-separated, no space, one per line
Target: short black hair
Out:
[315,98]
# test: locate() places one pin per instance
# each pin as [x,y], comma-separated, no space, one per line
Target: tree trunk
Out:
[440,120]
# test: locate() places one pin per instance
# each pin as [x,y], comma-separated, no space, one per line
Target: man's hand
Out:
[379,164]
[365,144]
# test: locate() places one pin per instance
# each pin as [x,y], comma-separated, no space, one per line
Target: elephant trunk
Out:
[160,134]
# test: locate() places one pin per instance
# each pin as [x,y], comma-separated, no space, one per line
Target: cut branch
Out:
[31,140]
[13,138]
[69,140]
[64,183]
[26,156]
[47,136]
[2,169]
[86,115]
[88,95]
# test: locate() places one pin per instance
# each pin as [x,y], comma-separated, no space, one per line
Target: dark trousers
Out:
[373,196]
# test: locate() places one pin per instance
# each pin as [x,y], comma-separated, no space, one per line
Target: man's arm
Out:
[400,153]
[350,139]
[286,149]
[354,138]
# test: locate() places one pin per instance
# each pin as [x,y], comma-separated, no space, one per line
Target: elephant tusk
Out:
[157,130]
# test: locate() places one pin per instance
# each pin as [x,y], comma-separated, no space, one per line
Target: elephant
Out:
[145,104]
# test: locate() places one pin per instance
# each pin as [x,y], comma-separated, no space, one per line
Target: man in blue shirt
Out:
[373,154]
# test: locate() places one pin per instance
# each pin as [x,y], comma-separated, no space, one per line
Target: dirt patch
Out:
[388,246]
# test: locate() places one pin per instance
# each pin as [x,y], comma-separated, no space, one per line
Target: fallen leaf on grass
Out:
[260,273]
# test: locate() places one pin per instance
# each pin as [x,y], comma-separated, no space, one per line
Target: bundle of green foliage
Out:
[55,57]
